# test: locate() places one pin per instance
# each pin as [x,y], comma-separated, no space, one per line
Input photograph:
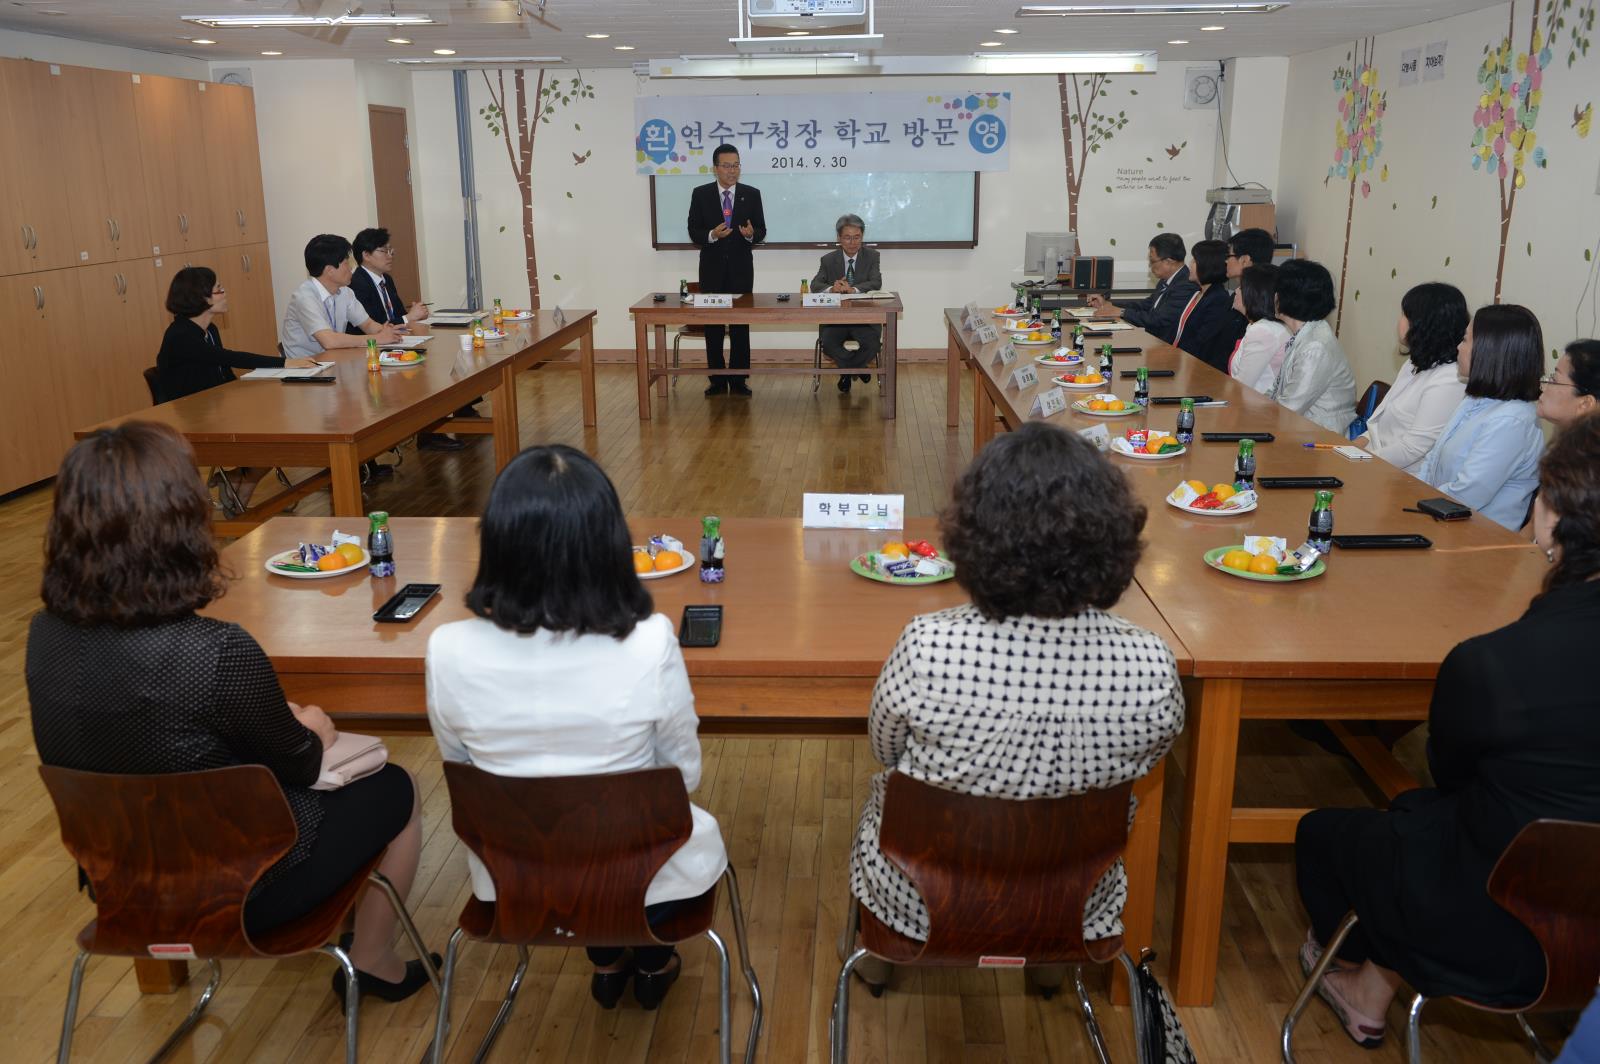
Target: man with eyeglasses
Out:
[725,223]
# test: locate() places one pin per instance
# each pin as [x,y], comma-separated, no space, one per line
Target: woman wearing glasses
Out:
[1572,389]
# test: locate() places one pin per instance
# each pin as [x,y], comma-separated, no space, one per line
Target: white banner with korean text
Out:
[872,132]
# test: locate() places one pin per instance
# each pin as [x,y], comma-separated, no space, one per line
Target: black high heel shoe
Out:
[369,985]
[649,988]
[607,987]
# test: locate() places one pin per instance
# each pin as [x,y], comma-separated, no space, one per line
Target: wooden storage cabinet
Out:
[228,120]
[121,337]
[35,226]
[44,362]
[177,172]
[251,322]
[102,166]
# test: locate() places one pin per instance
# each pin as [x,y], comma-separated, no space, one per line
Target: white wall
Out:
[1252,116]
[592,219]
[1430,216]
[46,49]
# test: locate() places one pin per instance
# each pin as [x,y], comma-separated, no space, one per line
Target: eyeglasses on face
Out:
[727,166]
[387,249]
[219,291]
[1550,378]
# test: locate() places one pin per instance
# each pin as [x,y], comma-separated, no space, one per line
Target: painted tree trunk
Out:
[1344,267]
[1074,182]
[527,130]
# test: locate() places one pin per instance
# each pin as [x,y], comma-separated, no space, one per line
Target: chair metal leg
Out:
[1414,1030]
[504,1012]
[676,340]
[194,1014]
[1090,1024]
[69,1019]
[400,911]
[1328,953]
[352,1001]
[742,941]
[1141,1022]
[816,363]
[441,1023]
[232,505]
[725,998]
[1542,1053]
[839,1032]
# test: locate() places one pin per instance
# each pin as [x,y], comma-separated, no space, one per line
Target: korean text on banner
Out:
[874,131]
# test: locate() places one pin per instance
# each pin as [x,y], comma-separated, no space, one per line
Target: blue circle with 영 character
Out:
[656,139]
[987,134]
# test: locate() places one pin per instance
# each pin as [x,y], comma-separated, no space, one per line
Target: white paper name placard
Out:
[986,333]
[1097,435]
[1023,377]
[1005,354]
[820,299]
[710,299]
[1049,403]
[839,510]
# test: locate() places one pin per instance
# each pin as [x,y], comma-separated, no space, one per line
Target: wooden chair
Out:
[1546,879]
[571,858]
[170,860]
[1005,884]
[684,332]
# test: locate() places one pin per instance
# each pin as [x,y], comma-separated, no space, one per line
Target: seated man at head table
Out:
[1158,313]
[851,268]
[323,305]
[374,286]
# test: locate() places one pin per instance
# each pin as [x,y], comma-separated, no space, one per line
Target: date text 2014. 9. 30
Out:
[813,162]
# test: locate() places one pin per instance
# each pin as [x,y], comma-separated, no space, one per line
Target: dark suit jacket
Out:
[1157,314]
[187,363]
[831,269]
[726,265]
[1208,334]
[367,292]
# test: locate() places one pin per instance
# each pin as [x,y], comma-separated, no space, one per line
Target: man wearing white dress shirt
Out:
[323,305]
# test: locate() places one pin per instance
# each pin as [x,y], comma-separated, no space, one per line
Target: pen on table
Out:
[1323,446]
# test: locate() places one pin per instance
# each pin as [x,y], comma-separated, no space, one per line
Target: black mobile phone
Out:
[1127,350]
[1174,400]
[406,603]
[659,297]
[1299,482]
[1133,374]
[701,626]
[1235,437]
[783,297]
[1381,541]
[330,379]
[1098,334]
[1444,509]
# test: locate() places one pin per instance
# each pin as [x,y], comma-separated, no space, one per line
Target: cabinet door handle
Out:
[244,260]
[117,227]
[38,298]
[183,223]
[122,284]
[30,238]
[240,213]
[111,230]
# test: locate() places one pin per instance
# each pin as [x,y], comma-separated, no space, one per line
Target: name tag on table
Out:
[820,299]
[1049,403]
[1097,435]
[1004,355]
[1023,377]
[827,510]
[986,333]
[559,316]
[710,299]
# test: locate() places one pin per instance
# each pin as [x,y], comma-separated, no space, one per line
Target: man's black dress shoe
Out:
[844,384]
[740,388]
[717,388]
[437,441]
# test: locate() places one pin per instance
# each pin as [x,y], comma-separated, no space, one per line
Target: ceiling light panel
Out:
[1169,9]
[262,22]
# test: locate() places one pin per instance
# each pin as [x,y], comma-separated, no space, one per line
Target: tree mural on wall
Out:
[1083,129]
[519,129]
[1511,82]
[1357,140]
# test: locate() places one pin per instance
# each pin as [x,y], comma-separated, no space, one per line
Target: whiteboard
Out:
[801,209]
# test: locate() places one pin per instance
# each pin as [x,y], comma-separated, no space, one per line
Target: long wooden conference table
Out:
[803,637]
[761,308]
[338,426]
[1361,642]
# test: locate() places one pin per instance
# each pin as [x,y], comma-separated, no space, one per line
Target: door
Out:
[176,171]
[123,330]
[36,221]
[80,164]
[249,324]
[26,402]
[228,117]
[391,178]
[122,164]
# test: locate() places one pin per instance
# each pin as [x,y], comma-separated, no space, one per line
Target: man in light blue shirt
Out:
[323,305]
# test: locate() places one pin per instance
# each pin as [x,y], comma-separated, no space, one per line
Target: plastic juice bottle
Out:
[1319,531]
[1244,466]
[380,544]
[372,355]
[805,286]
[683,289]
[499,315]
[477,332]
[1185,431]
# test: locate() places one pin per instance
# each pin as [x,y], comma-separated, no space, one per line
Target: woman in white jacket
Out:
[566,671]
[1258,358]
[1315,381]
[1404,428]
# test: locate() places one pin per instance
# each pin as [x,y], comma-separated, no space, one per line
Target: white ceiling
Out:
[668,28]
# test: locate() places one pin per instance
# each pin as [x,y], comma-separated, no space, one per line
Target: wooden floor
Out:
[787,807]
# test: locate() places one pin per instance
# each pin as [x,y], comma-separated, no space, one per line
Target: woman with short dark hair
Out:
[1487,456]
[1315,379]
[1433,319]
[1044,534]
[1206,325]
[124,677]
[566,671]
[1513,738]
[1572,389]
[1259,356]
[192,358]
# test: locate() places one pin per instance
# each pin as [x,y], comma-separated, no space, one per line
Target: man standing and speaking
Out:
[850,268]
[725,222]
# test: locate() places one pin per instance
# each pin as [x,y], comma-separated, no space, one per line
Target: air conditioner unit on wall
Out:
[806,14]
